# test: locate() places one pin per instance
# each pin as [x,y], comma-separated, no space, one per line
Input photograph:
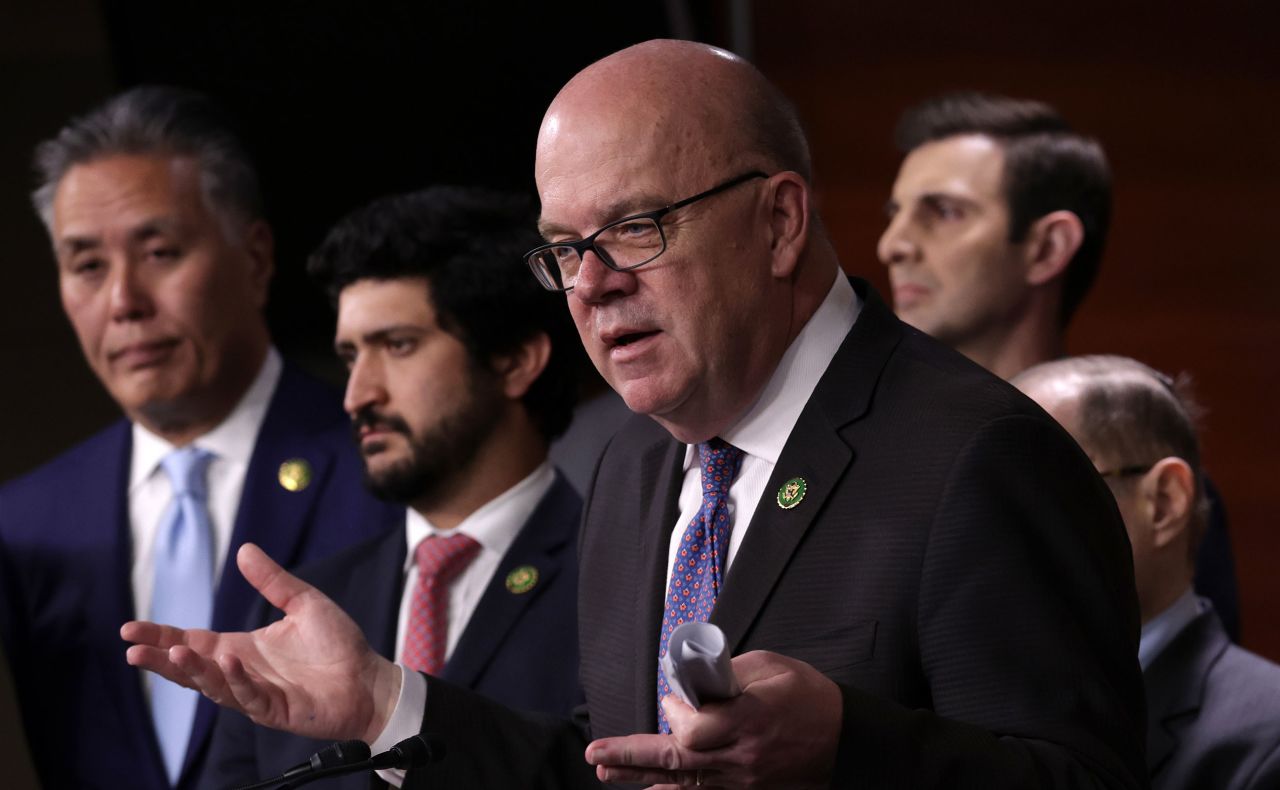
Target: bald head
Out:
[695,102]
[700,138]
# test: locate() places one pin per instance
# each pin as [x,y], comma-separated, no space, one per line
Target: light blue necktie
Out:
[183,593]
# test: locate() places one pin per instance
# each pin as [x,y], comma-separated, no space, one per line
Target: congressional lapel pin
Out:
[522,579]
[294,474]
[791,493]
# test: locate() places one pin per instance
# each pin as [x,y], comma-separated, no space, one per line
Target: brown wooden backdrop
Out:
[1186,100]
[1184,97]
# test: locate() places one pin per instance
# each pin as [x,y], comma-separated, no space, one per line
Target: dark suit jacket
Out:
[520,649]
[957,567]
[1213,713]
[65,558]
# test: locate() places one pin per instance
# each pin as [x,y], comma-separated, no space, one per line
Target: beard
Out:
[439,455]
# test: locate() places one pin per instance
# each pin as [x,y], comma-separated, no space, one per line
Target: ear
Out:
[788,226]
[1051,243]
[1169,490]
[520,369]
[260,246]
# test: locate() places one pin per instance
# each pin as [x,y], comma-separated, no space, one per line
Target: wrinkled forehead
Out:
[599,162]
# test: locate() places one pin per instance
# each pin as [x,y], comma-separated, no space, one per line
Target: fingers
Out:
[144,633]
[759,665]
[645,759]
[276,584]
[712,727]
[252,698]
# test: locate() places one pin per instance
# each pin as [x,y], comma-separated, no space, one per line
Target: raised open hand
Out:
[311,673]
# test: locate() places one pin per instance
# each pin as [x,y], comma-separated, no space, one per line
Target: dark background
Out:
[342,102]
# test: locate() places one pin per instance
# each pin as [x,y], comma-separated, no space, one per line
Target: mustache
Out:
[372,419]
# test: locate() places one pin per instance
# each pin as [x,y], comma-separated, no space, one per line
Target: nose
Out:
[364,385]
[896,244]
[130,295]
[598,283]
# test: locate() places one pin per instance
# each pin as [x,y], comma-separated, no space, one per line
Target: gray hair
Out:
[1131,414]
[154,120]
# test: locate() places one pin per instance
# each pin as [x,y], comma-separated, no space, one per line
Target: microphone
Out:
[409,753]
[337,755]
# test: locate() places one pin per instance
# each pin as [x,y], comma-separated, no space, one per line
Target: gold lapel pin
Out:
[294,474]
[792,492]
[522,579]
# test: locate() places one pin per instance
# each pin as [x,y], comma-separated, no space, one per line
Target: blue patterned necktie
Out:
[183,593]
[698,570]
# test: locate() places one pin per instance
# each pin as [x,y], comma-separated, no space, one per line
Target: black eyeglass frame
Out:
[589,243]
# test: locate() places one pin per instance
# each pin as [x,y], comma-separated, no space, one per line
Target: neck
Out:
[1035,337]
[510,454]
[1155,602]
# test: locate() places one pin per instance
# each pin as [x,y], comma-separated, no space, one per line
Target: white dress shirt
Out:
[764,429]
[150,492]
[494,526]
[761,434]
[1162,629]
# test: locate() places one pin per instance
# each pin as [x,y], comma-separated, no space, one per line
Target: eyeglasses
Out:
[1127,471]
[621,245]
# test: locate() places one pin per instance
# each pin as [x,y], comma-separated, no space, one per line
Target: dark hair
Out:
[468,244]
[161,121]
[1132,414]
[1047,167]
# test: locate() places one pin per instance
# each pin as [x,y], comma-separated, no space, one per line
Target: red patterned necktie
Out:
[440,561]
[697,572]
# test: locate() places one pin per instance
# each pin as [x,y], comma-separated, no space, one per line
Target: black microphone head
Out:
[418,750]
[340,754]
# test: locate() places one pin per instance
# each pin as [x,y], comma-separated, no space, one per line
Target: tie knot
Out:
[719,461]
[443,558]
[186,467]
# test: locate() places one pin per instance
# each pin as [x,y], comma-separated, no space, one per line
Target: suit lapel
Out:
[269,515]
[109,493]
[371,591]
[817,451]
[1175,684]
[499,609]
[661,471]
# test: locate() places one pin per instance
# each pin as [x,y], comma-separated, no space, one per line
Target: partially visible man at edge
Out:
[1213,709]
[453,411]
[923,580]
[997,224]
[163,263]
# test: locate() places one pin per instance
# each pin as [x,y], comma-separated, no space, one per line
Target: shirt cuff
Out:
[405,721]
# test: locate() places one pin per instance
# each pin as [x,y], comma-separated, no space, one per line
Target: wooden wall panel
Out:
[1186,101]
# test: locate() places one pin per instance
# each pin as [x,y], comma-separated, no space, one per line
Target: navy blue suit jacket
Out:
[1213,716]
[65,558]
[520,649]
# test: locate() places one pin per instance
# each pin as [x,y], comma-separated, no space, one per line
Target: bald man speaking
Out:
[922,579]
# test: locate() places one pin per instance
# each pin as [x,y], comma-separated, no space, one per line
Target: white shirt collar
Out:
[765,428]
[1162,629]
[231,440]
[495,524]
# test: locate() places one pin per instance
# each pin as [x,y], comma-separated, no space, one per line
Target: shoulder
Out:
[102,456]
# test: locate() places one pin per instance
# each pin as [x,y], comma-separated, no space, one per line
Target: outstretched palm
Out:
[311,673]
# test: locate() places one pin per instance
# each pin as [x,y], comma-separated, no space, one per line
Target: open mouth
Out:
[632,337]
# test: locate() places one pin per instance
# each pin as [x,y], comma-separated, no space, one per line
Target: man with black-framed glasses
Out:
[920,577]
[1213,709]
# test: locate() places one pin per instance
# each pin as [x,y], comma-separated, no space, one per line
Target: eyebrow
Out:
[378,335]
[159,226]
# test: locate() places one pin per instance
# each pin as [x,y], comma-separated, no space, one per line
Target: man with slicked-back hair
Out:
[163,262]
